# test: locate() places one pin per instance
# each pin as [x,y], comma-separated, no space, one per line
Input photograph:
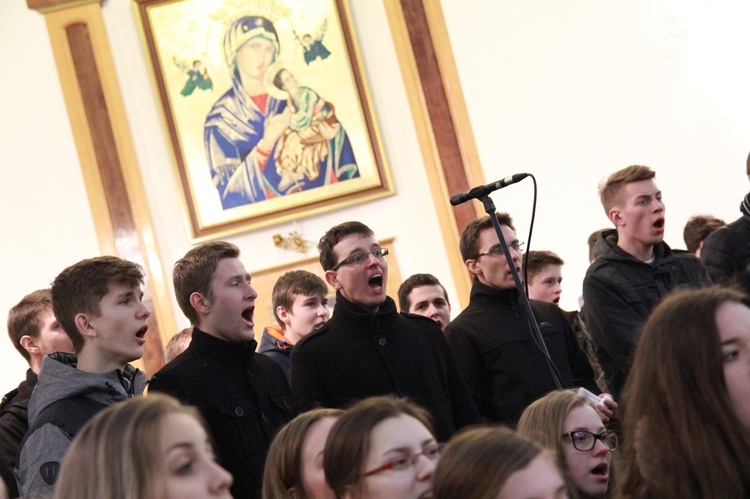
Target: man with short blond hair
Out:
[634,271]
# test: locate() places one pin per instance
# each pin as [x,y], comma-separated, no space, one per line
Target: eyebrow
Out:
[125,294]
[407,449]
[729,341]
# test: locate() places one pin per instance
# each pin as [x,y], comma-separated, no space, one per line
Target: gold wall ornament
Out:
[293,242]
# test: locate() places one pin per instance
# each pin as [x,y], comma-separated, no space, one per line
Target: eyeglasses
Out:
[498,249]
[357,258]
[407,460]
[585,440]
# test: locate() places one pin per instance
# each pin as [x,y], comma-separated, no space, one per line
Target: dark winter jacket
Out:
[13,426]
[243,396]
[726,251]
[277,349]
[503,366]
[619,292]
[358,354]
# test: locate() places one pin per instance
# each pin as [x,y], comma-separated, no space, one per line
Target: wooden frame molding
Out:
[440,117]
[105,151]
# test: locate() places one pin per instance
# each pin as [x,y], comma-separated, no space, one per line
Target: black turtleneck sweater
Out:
[502,365]
[358,354]
[243,396]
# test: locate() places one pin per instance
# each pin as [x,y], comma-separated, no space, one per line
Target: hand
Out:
[606,407]
[275,126]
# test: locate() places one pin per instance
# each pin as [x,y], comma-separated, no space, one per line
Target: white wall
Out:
[572,91]
[569,91]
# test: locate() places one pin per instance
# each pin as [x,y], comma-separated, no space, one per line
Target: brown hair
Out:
[293,283]
[80,287]
[542,422]
[477,462]
[592,240]
[611,190]
[24,319]
[698,228]
[677,412]
[349,441]
[536,261]
[283,470]
[192,273]
[417,281]
[117,454]
[469,243]
[336,234]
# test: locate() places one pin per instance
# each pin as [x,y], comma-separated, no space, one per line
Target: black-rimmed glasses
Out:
[585,440]
[357,258]
[498,249]
[431,452]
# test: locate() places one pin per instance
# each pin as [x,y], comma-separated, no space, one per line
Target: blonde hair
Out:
[283,470]
[610,192]
[117,454]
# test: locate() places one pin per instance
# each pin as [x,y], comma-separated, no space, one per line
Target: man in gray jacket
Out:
[98,303]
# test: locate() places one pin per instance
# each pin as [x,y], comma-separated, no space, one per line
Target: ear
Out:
[29,344]
[615,217]
[472,265]
[333,279]
[293,493]
[84,325]
[283,314]
[200,303]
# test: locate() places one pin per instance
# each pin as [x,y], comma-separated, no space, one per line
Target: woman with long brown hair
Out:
[687,400]
[570,427]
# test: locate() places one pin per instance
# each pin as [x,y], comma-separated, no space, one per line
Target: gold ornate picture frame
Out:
[267,109]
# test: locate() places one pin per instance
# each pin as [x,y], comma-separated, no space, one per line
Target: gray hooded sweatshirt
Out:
[62,401]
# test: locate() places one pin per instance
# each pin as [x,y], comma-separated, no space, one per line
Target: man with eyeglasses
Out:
[367,348]
[504,368]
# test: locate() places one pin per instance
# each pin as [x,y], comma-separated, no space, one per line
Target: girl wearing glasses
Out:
[687,399]
[294,466]
[570,427]
[382,447]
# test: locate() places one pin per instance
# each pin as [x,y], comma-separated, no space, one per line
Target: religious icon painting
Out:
[267,109]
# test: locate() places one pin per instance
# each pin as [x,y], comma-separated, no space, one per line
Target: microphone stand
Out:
[536,335]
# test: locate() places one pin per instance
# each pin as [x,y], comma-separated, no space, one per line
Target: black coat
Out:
[619,293]
[13,426]
[243,396]
[358,354]
[726,251]
[504,368]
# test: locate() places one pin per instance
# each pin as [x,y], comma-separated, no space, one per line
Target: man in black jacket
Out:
[634,271]
[726,251]
[501,362]
[367,348]
[35,332]
[243,396]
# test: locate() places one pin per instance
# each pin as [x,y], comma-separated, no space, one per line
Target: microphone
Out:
[483,190]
